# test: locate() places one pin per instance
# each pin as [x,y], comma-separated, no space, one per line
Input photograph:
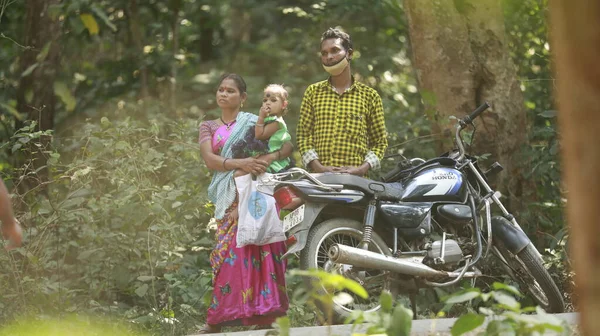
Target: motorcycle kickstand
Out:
[413,304]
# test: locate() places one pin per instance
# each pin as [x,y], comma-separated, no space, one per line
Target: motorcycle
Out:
[426,224]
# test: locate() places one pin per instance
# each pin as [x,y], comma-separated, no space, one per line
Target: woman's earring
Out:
[241,105]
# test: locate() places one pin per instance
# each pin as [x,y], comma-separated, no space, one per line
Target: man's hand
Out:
[12,232]
[316,167]
[361,170]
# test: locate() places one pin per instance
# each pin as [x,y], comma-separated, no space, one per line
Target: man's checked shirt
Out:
[341,130]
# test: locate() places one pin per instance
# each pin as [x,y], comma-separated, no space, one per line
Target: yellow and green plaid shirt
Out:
[342,130]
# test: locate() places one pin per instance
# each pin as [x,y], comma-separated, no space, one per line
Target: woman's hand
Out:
[13,233]
[233,214]
[254,166]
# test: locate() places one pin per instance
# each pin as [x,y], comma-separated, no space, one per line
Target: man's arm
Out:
[377,134]
[11,229]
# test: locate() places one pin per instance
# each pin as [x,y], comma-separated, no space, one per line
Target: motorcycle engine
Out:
[452,252]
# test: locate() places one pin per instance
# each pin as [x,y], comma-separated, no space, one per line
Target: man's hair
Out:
[336,33]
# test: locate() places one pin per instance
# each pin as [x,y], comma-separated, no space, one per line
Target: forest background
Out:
[100,103]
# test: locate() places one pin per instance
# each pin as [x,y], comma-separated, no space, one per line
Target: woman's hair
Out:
[239,81]
[281,91]
[336,33]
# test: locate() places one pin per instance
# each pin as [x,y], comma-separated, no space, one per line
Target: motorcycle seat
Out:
[383,191]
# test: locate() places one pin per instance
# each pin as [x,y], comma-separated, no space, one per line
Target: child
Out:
[271,126]
[270,132]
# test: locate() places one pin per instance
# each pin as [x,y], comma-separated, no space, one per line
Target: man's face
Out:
[332,51]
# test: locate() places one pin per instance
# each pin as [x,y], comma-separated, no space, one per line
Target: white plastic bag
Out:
[259,222]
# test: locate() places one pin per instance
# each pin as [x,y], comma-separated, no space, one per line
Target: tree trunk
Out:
[241,26]
[137,39]
[462,59]
[576,44]
[176,7]
[35,93]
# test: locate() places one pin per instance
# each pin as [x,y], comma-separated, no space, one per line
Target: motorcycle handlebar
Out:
[469,119]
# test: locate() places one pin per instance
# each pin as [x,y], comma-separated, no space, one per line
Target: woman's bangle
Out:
[224,163]
[260,125]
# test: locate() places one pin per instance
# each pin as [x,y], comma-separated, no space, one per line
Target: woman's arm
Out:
[216,162]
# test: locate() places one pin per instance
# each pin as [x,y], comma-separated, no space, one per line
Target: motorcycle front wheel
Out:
[527,270]
[314,256]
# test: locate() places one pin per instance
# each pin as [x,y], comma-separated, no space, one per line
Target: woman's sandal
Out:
[209,329]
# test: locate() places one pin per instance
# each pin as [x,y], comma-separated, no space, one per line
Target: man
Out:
[341,126]
[11,229]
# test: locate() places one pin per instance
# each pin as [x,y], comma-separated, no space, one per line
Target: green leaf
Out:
[16,147]
[105,122]
[61,90]
[467,323]
[90,23]
[12,111]
[508,288]
[44,52]
[386,301]
[144,278]
[29,70]
[100,13]
[54,11]
[355,288]
[506,300]
[176,205]
[401,322]
[463,297]
[122,145]
[86,254]
[548,114]
[500,328]
[142,290]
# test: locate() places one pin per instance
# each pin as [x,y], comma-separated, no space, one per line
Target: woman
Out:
[249,282]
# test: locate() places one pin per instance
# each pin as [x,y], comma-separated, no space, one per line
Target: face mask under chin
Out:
[337,68]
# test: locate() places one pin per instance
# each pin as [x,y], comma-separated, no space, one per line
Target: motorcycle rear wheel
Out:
[314,256]
[527,270]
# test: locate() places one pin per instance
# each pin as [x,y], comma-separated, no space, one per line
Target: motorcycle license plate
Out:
[293,218]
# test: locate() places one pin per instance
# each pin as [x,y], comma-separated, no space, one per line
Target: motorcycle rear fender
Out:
[514,239]
[300,232]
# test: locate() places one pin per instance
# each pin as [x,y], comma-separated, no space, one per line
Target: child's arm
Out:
[262,131]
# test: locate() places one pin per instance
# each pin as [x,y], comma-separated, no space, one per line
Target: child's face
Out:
[273,102]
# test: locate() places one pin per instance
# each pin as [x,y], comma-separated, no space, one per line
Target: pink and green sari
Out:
[249,282]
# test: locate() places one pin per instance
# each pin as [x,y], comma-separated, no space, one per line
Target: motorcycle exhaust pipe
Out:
[343,254]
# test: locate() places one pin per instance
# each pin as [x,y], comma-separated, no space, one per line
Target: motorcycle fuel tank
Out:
[435,184]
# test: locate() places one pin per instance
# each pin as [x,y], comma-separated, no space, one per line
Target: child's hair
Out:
[279,90]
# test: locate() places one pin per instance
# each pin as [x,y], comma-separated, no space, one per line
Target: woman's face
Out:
[228,95]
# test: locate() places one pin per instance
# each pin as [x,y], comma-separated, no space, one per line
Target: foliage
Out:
[529,42]
[68,326]
[122,227]
[504,312]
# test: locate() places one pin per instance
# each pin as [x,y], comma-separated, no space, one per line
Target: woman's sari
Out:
[249,282]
